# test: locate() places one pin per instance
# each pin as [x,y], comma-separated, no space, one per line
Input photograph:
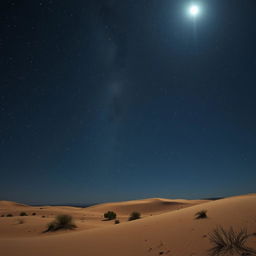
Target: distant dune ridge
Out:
[146,206]
[167,227]
[4,204]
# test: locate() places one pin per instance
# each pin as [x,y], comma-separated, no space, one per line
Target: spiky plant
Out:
[229,242]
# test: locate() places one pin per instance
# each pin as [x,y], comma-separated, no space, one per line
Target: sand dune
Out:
[174,233]
[86,218]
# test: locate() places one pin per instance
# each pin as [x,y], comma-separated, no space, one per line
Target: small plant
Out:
[23,214]
[229,242]
[134,216]
[2,215]
[9,215]
[33,214]
[51,227]
[201,214]
[117,221]
[20,221]
[110,215]
[61,222]
[43,216]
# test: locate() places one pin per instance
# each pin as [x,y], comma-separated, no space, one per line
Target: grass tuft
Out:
[201,214]
[229,242]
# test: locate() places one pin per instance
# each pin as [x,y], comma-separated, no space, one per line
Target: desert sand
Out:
[167,227]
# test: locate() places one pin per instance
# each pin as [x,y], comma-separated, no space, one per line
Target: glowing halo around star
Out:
[194,10]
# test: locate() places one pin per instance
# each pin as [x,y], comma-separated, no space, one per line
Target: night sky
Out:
[106,100]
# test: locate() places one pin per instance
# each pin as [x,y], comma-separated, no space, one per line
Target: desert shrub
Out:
[110,215]
[2,215]
[51,227]
[61,222]
[23,214]
[33,214]
[43,216]
[20,221]
[201,214]
[229,242]
[117,221]
[9,215]
[134,216]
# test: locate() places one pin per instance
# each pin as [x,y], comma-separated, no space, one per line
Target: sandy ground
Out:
[168,227]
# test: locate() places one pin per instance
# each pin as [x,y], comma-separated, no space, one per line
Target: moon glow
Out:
[194,10]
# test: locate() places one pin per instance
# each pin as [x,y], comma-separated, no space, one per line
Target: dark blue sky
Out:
[106,100]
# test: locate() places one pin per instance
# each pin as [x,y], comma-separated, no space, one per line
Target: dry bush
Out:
[23,214]
[229,242]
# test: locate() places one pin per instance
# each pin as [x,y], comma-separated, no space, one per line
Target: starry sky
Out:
[107,100]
